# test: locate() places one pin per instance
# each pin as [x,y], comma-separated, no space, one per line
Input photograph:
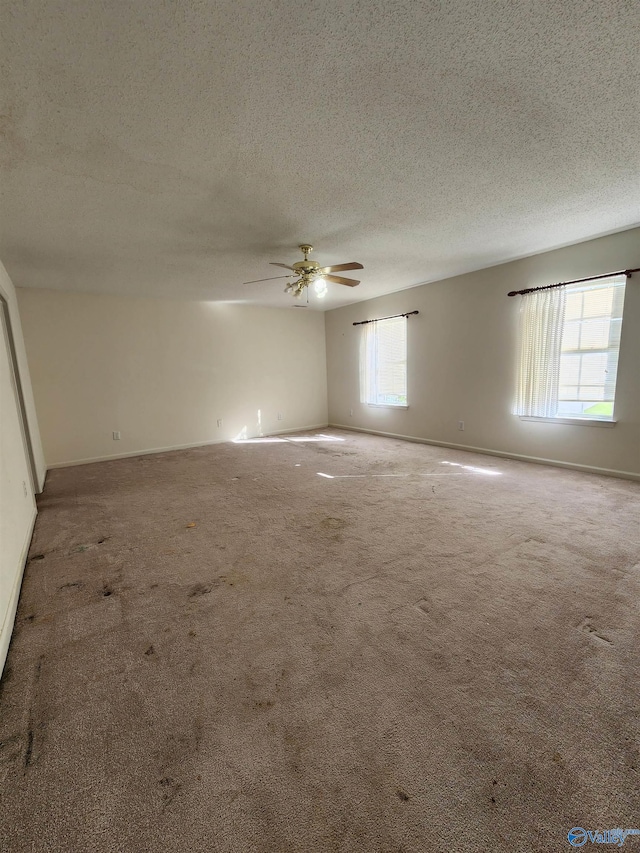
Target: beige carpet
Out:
[427,650]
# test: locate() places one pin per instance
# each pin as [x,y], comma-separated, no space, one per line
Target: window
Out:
[570,338]
[383,363]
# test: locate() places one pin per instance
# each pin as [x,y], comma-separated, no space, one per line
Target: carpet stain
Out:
[170,788]
[199,589]
[231,578]
[107,590]
[31,726]
[402,795]
[150,651]
[331,523]
[29,750]
[10,750]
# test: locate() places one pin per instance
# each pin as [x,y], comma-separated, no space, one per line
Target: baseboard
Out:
[297,429]
[148,451]
[10,614]
[536,460]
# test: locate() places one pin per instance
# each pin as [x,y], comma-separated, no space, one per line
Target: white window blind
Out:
[569,344]
[383,362]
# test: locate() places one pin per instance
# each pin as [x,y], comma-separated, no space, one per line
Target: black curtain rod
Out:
[393,316]
[575,281]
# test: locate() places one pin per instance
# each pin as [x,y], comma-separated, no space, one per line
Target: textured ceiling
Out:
[175,148]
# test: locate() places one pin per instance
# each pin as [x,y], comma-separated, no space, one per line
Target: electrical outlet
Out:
[350,413]
[24,486]
[279,416]
[460,424]
[116,435]
[219,422]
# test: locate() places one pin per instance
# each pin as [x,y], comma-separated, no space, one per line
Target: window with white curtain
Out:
[569,344]
[383,363]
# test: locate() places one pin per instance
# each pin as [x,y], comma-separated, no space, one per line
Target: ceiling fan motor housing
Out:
[306,267]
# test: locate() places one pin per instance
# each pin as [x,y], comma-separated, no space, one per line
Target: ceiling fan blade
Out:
[256,280]
[337,279]
[284,266]
[340,267]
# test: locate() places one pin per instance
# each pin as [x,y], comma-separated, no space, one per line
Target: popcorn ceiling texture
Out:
[175,149]
[412,656]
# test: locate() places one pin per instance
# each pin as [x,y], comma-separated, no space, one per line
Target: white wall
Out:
[462,356]
[17,485]
[162,372]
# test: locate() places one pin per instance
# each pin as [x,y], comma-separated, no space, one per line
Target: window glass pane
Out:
[593,370]
[587,378]
[590,393]
[598,303]
[594,334]
[571,336]
[570,369]
[568,392]
[573,306]
[599,410]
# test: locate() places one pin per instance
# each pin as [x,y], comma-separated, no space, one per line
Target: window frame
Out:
[580,420]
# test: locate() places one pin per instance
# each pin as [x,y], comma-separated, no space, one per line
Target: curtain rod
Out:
[575,281]
[393,316]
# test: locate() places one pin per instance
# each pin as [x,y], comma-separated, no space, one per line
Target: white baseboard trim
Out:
[148,451]
[288,431]
[536,460]
[10,613]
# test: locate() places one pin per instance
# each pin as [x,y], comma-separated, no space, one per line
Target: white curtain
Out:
[368,364]
[541,322]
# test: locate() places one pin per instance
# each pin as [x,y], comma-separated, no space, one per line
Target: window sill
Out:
[386,406]
[571,421]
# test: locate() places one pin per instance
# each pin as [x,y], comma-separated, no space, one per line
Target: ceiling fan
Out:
[308,272]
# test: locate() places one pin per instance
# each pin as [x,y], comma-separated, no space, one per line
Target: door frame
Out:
[5,319]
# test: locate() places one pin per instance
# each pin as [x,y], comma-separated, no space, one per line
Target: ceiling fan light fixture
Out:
[320,287]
